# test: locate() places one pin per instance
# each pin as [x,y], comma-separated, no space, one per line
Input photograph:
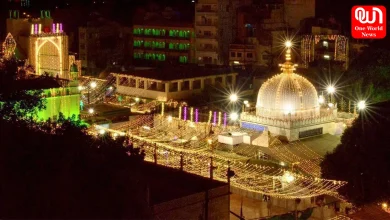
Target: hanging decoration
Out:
[185,113]
[191,114]
[196,115]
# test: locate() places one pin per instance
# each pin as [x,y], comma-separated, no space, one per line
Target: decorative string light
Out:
[215,118]
[162,108]
[210,115]
[224,119]
[9,46]
[191,114]
[185,113]
[180,113]
[196,158]
[219,118]
[196,115]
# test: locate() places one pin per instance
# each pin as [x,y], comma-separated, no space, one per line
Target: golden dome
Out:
[287,94]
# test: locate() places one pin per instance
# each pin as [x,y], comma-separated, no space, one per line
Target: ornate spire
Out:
[288,67]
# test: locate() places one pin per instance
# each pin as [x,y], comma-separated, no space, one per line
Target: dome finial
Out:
[288,67]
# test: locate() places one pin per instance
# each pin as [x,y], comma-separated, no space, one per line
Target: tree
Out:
[362,157]
[17,103]
[57,170]
[369,75]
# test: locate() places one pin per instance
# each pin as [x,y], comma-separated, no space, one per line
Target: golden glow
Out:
[331,89]
[197,155]
[361,105]
[233,116]
[288,44]
[233,97]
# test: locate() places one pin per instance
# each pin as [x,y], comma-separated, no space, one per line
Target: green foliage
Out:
[362,158]
[56,170]
[369,75]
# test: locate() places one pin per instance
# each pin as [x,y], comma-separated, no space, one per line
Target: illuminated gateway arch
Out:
[49,50]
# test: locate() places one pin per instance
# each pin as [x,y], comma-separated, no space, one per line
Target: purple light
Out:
[196,115]
[185,113]
[60,27]
[53,28]
[215,118]
[36,29]
[224,119]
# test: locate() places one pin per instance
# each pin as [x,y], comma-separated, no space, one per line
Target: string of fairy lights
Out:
[185,143]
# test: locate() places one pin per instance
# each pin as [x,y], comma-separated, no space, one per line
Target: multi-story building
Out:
[324,42]
[102,44]
[20,28]
[163,41]
[263,28]
[215,29]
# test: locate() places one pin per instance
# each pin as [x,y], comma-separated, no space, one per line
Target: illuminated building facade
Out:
[164,43]
[288,106]
[20,28]
[325,44]
[48,51]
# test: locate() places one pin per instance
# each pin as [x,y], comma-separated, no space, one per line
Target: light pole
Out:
[331,90]
[361,105]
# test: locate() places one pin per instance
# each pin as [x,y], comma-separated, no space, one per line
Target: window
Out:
[239,54]
[325,44]
[249,55]
[233,54]
[183,59]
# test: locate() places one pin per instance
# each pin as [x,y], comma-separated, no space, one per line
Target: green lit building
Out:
[62,99]
[164,41]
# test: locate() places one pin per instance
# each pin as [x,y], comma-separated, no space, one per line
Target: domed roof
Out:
[287,93]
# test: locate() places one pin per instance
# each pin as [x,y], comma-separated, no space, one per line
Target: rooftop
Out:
[168,73]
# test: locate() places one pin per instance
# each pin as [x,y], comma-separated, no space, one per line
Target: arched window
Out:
[181,47]
[171,46]
[171,33]
[181,34]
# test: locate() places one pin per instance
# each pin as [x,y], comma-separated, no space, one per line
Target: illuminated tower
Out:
[49,51]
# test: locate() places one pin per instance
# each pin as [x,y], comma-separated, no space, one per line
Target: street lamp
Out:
[361,105]
[233,97]
[233,116]
[288,44]
[93,85]
[331,90]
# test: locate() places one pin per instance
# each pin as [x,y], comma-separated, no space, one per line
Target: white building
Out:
[174,83]
[288,107]
[215,29]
